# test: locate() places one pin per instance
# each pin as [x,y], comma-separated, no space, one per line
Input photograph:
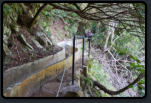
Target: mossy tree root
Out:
[100,86]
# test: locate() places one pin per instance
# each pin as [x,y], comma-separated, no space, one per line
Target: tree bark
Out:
[107,38]
[95,83]
[31,23]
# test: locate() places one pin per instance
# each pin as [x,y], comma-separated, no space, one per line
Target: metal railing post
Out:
[89,46]
[83,53]
[73,60]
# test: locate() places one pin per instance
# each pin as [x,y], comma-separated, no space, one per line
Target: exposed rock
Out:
[6,34]
[72,88]
[40,34]
[6,30]
[23,40]
[5,39]
[6,50]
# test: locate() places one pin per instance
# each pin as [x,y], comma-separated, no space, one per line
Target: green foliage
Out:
[100,34]
[72,30]
[65,27]
[93,26]
[59,13]
[97,71]
[9,14]
[89,81]
[142,81]
[5,62]
[6,9]
[105,95]
[89,63]
[137,65]
[31,55]
[142,93]
[122,51]
[141,69]
[97,93]
[49,48]
[131,86]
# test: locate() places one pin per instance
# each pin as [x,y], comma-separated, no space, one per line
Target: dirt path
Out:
[50,88]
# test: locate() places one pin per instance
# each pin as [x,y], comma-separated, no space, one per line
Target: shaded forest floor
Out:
[20,56]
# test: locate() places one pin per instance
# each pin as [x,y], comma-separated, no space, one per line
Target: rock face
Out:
[6,34]
[6,50]
[5,39]
[72,88]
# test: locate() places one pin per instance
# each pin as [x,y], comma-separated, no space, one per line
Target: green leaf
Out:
[132,64]
[142,81]
[138,61]
[134,89]
[131,86]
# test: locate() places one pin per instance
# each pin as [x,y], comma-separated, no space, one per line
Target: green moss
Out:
[31,55]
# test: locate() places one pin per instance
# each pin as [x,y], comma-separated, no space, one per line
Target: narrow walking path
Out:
[50,88]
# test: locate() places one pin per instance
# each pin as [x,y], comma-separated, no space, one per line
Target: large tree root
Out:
[100,86]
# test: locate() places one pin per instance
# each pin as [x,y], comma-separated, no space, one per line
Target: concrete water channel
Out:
[24,80]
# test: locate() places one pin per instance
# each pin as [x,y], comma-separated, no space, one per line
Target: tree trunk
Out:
[107,38]
[95,83]
[32,22]
[110,32]
[113,29]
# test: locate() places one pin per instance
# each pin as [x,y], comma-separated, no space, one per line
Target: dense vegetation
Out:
[118,31]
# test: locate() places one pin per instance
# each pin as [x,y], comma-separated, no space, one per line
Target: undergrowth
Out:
[96,71]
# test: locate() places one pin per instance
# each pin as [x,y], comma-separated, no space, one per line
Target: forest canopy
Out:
[118,31]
